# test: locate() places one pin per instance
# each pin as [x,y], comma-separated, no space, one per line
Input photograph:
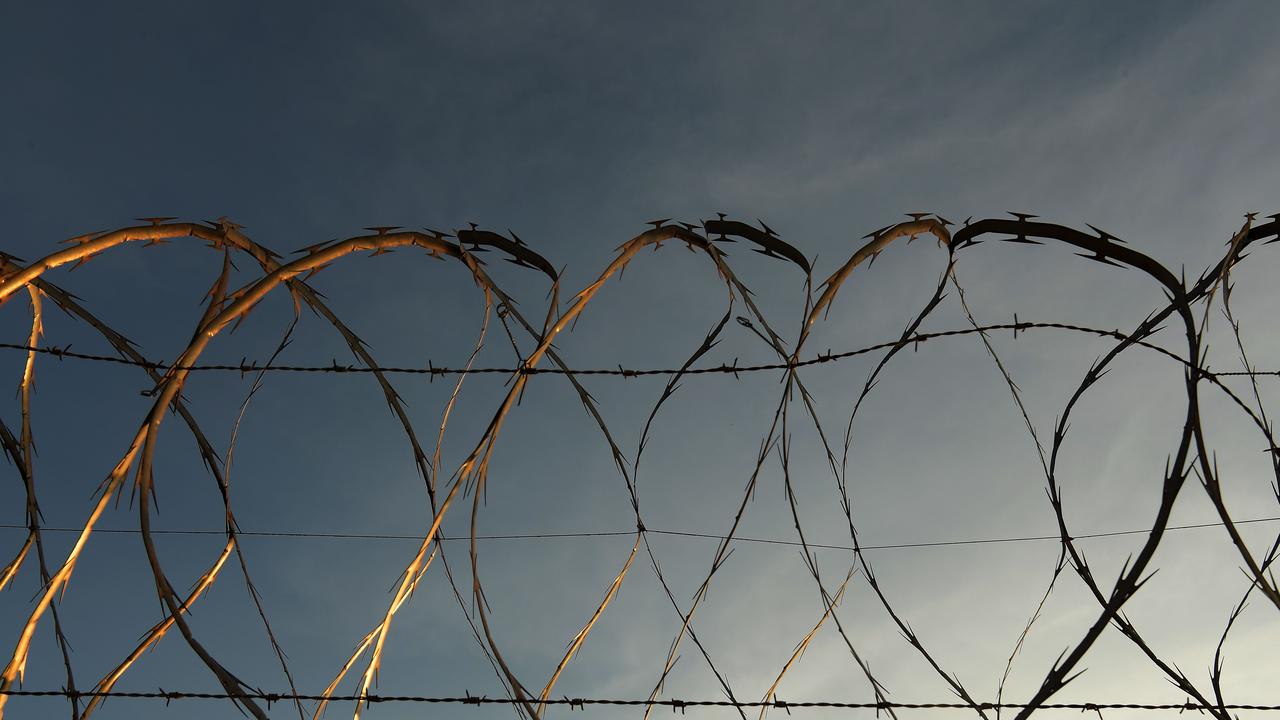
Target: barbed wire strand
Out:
[580,703]
[334,367]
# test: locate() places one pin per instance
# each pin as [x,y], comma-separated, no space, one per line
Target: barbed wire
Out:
[581,703]
[226,308]
[245,367]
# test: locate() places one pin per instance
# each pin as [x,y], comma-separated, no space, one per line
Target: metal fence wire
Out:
[1187,308]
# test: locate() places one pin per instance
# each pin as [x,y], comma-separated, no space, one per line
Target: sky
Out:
[573,124]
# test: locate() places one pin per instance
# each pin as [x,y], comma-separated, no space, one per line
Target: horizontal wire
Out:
[615,533]
[734,369]
[674,704]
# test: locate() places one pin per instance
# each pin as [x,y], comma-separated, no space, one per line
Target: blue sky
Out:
[573,124]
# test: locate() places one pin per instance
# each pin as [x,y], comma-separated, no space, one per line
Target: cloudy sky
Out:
[572,124]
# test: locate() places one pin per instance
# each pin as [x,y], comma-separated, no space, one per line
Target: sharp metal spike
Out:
[1103,234]
[317,247]
[1098,257]
[82,239]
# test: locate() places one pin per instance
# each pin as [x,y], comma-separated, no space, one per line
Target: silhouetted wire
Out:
[616,533]
[734,369]
[674,704]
